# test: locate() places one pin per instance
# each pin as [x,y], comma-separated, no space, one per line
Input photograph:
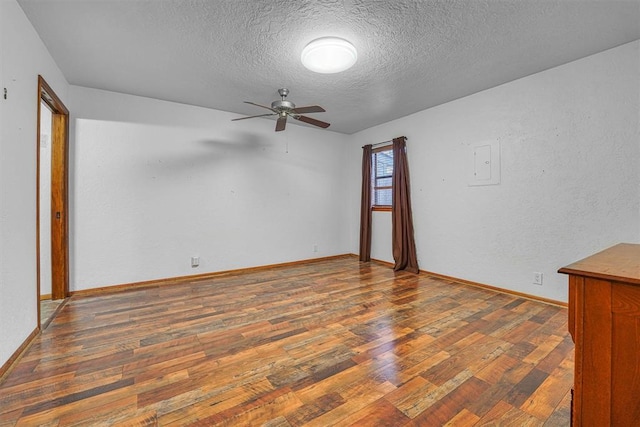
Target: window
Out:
[381,174]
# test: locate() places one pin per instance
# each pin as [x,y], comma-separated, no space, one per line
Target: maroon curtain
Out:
[404,246]
[365,206]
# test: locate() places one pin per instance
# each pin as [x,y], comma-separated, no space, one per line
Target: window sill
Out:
[381,208]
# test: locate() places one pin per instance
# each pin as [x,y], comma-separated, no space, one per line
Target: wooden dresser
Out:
[604,322]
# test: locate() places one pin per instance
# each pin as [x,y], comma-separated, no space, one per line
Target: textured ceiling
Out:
[412,54]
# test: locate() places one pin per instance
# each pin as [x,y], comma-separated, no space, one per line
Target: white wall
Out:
[45,199]
[154,183]
[22,57]
[570,150]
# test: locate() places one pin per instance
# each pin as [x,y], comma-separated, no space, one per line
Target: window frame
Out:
[374,178]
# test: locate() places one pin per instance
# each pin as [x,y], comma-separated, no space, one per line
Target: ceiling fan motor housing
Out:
[282,105]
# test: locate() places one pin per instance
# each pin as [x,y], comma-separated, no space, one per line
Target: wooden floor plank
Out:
[448,407]
[380,413]
[462,419]
[335,342]
[544,400]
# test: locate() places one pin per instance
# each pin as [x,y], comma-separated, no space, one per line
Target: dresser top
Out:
[619,263]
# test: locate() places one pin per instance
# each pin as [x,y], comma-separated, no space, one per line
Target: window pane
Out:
[383,182]
[384,163]
[382,197]
[381,174]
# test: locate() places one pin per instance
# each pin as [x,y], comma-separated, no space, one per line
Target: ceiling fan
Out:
[283,108]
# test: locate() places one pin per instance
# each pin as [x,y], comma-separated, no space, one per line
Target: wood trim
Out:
[49,96]
[381,262]
[194,278]
[59,192]
[381,208]
[388,146]
[44,297]
[38,272]
[482,285]
[59,198]
[501,290]
[6,368]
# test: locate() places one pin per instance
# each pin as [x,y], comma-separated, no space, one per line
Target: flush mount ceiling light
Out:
[329,55]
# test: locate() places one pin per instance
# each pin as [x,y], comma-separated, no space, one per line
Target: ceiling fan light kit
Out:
[329,55]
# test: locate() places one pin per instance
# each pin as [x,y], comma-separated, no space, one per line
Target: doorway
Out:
[52,203]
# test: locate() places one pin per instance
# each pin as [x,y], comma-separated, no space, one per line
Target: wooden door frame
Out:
[59,193]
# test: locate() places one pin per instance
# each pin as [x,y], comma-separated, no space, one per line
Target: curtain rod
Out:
[389,142]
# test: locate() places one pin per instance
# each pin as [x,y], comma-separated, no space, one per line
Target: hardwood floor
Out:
[329,343]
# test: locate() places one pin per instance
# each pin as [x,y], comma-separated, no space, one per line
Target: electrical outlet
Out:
[195,261]
[537,278]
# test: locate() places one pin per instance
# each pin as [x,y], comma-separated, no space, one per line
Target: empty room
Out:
[319,213]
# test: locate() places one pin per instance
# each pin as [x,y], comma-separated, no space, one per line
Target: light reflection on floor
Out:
[48,309]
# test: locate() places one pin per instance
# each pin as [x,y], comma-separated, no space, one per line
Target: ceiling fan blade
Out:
[258,105]
[281,123]
[312,121]
[252,117]
[309,109]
